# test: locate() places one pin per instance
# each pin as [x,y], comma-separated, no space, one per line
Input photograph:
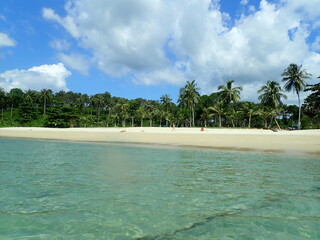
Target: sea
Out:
[67,190]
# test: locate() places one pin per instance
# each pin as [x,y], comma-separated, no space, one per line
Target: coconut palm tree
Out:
[142,114]
[271,94]
[30,96]
[232,114]
[45,94]
[99,103]
[122,109]
[219,109]
[205,116]
[295,79]
[189,96]
[228,93]
[250,111]
[2,100]
[265,113]
[166,101]
[161,114]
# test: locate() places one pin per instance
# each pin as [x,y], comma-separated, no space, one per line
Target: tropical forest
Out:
[222,108]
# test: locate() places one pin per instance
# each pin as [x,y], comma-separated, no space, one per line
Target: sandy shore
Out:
[304,141]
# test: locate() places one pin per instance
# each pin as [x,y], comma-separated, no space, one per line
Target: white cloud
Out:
[75,61]
[147,40]
[6,41]
[67,22]
[60,45]
[36,78]
[244,2]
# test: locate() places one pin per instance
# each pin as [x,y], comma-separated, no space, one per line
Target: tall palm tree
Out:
[232,115]
[265,113]
[205,116]
[166,101]
[142,114]
[122,109]
[219,109]
[99,103]
[30,97]
[271,94]
[189,96]
[250,111]
[295,79]
[228,93]
[2,100]
[45,94]
[162,114]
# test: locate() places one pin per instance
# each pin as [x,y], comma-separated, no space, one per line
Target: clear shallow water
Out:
[59,190]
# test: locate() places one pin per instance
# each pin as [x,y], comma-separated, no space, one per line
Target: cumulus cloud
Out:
[148,40]
[75,61]
[36,78]
[6,41]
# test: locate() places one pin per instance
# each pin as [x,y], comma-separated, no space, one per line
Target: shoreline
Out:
[252,140]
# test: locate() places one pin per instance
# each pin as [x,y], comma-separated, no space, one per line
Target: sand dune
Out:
[303,141]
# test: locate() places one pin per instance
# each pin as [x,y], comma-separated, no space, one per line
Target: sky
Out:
[146,48]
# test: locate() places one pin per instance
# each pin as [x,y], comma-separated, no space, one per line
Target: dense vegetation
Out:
[219,109]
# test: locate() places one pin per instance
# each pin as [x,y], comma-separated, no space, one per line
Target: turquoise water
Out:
[62,190]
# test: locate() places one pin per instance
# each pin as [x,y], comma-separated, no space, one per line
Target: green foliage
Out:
[222,108]
[61,117]
[27,113]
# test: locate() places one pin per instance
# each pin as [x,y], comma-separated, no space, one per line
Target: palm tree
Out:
[189,96]
[219,109]
[232,115]
[205,116]
[46,94]
[228,93]
[30,96]
[2,100]
[123,112]
[250,111]
[166,101]
[142,114]
[295,78]
[98,101]
[162,114]
[271,94]
[265,113]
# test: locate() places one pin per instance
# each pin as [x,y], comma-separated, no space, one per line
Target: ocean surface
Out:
[64,190]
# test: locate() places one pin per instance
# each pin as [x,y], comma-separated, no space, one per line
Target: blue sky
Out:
[148,48]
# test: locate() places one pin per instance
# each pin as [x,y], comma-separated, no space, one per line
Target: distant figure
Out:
[123,131]
[202,129]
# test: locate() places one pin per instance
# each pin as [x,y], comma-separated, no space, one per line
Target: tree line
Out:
[220,109]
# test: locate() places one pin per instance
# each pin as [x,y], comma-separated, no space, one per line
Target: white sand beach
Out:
[303,141]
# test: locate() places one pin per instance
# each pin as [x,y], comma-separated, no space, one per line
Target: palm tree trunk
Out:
[2,113]
[275,119]
[249,124]
[44,105]
[141,122]
[220,125]
[131,121]
[271,122]
[11,111]
[205,123]
[108,119]
[299,119]
[193,116]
